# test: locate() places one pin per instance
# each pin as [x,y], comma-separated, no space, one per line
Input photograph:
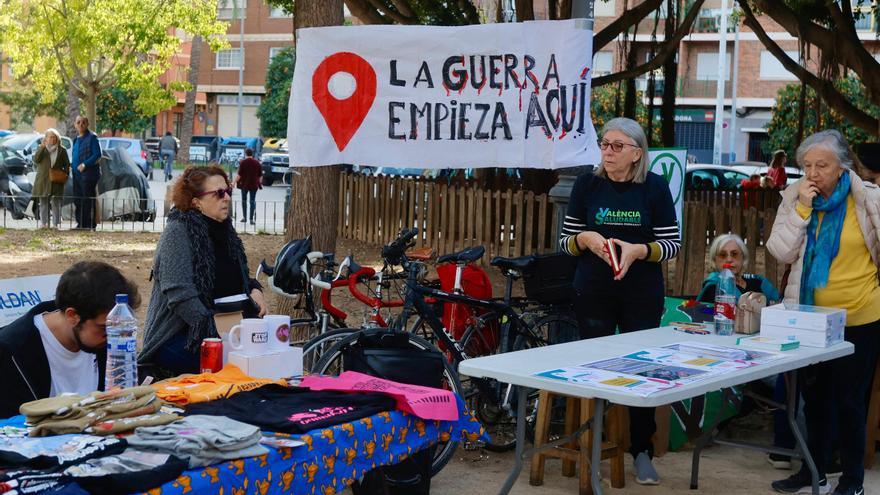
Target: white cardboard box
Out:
[813,326]
[274,365]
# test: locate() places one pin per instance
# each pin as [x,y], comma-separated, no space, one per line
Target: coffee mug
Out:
[250,337]
[279,331]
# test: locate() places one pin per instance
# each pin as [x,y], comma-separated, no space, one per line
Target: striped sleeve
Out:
[666,245]
[571,227]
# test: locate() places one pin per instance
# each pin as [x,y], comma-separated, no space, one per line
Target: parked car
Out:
[24,145]
[792,173]
[276,166]
[274,144]
[712,177]
[6,132]
[135,149]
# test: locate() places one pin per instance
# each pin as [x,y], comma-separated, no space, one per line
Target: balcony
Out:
[701,88]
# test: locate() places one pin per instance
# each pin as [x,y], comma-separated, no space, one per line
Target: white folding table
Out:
[519,368]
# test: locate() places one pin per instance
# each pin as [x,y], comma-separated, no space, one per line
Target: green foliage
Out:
[273,109]
[97,44]
[117,112]
[603,102]
[782,127]
[25,104]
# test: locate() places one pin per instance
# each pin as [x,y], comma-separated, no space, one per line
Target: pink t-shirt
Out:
[779,177]
[424,402]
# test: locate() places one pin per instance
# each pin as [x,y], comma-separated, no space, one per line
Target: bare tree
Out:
[189,104]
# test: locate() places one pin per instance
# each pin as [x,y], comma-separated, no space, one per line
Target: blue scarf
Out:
[823,249]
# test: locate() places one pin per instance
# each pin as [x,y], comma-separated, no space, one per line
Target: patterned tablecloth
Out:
[331,460]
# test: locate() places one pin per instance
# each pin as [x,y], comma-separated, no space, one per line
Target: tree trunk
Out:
[802,103]
[314,194]
[670,82]
[91,106]
[525,10]
[72,111]
[629,98]
[189,105]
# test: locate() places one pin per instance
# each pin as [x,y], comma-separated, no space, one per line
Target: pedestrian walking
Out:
[168,150]
[249,179]
[86,153]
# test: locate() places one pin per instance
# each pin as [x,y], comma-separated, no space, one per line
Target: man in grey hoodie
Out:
[168,150]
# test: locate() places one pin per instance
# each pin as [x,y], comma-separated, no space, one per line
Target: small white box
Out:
[273,365]
[813,326]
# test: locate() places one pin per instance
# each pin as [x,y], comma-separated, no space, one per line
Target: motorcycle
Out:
[15,186]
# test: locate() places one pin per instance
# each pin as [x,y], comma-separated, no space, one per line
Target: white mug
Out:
[279,331]
[250,337]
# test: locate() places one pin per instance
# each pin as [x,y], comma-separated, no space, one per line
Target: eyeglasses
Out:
[220,193]
[616,146]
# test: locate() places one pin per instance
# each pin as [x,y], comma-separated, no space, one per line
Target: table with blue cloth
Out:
[330,461]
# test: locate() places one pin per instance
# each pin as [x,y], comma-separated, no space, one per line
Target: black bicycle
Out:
[500,327]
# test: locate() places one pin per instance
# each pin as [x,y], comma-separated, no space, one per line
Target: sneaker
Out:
[243,220]
[779,461]
[800,482]
[645,472]
[853,490]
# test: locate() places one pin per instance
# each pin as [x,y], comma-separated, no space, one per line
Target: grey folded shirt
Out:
[205,440]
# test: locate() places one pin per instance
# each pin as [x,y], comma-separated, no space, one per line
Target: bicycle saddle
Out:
[521,263]
[466,256]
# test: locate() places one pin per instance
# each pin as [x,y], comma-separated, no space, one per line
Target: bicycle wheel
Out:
[317,346]
[331,361]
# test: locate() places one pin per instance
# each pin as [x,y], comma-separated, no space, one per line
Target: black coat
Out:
[24,365]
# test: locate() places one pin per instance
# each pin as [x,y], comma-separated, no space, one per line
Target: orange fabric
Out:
[190,389]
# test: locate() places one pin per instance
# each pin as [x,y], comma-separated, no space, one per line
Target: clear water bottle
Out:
[121,346]
[725,302]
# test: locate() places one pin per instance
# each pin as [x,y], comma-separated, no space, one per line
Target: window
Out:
[246,100]
[229,9]
[707,66]
[275,50]
[771,67]
[277,12]
[864,18]
[604,8]
[603,63]
[228,59]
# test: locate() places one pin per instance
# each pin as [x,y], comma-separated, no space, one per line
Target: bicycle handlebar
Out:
[394,252]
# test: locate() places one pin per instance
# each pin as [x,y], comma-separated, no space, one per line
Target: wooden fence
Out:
[449,218]
[517,223]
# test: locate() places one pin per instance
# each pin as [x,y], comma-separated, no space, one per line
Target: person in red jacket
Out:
[777,169]
[249,179]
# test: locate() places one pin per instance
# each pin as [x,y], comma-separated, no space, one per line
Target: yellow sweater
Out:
[852,278]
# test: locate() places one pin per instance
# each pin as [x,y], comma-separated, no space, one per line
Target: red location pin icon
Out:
[343,89]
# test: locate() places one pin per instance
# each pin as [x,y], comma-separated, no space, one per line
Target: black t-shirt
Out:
[229,280]
[293,409]
[633,212]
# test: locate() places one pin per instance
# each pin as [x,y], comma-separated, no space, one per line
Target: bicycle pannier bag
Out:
[388,355]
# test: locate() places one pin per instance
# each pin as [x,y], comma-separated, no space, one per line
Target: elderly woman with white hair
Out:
[827,229]
[729,249]
[53,169]
[623,204]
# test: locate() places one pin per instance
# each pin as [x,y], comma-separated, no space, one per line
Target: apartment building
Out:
[267,30]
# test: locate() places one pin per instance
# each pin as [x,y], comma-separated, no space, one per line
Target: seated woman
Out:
[730,249]
[199,259]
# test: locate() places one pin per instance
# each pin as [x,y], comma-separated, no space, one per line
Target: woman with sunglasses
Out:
[199,259]
[622,203]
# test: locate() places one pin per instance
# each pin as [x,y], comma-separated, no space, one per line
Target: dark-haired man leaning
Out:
[59,346]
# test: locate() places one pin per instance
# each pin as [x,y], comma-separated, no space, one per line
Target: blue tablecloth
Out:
[331,460]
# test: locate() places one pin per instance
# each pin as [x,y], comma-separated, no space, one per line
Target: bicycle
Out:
[487,396]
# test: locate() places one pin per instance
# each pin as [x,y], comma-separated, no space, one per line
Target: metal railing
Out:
[133,215]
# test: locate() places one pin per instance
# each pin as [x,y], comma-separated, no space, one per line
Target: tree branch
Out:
[470,11]
[630,18]
[366,13]
[825,89]
[404,8]
[668,47]
[392,13]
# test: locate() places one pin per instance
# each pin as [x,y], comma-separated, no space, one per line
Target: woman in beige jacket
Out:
[827,229]
[50,155]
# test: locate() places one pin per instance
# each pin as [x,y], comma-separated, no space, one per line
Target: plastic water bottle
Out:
[121,346]
[725,302]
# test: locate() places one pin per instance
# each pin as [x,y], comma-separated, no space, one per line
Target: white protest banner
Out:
[20,295]
[669,163]
[491,95]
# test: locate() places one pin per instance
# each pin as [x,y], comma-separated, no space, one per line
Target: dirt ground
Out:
[724,469]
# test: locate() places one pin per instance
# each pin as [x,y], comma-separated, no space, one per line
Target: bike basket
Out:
[550,279]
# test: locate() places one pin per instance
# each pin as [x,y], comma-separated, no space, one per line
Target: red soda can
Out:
[211,355]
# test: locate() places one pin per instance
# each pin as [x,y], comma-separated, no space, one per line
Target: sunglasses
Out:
[220,193]
[617,147]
